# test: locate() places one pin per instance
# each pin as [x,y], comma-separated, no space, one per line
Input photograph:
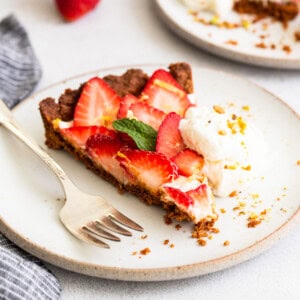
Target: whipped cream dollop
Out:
[219,7]
[232,147]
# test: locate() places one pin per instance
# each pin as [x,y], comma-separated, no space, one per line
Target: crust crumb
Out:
[231,42]
[261,45]
[287,49]
[178,226]
[253,223]
[226,243]
[223,210]
[233,194]
[202,242]
[145,251]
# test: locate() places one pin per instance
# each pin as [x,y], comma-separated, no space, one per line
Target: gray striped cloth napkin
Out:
[22,276]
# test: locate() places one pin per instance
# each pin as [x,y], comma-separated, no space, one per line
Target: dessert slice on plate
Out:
[280,10]
[126,129]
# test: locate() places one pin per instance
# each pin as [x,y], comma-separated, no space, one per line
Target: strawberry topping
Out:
[163,92]
[169,140]
[98,104]
[200,193]
[147,114]
[79,135]
[187,198]
[103,149]
[151,169]
[189,162]
[125,105]
[179,196]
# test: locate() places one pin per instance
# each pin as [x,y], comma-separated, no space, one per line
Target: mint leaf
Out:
[143,134]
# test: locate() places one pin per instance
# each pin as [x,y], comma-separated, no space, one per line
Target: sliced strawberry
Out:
[147,114]
[179,196]
[164,92]
[163,76]
[78,136]
[189,162]
[103,149]
[151,169]
[187,198]
[200,194]
[97,105]
[125,105]
[169,140]
[127,140]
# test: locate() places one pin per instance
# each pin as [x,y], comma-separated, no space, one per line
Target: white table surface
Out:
[123,32]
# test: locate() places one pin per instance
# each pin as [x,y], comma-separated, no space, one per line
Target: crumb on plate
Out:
[202,242]
[226,243]
[145,251]
[231,42]
[287,49]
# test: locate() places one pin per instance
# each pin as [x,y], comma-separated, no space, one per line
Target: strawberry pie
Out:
[127,130]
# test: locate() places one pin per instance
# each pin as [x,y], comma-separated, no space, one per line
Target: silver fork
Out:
[89,218]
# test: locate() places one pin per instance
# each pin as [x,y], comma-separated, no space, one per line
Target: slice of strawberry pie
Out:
[126,129]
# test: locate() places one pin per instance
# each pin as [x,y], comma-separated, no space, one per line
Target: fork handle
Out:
[7,120]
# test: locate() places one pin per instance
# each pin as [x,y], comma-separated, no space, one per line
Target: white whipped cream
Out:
[232,147]
[219,7]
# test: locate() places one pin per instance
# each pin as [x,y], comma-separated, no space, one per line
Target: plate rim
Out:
[151,274]
[221,51]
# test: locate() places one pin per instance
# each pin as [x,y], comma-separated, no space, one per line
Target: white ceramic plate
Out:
[216,40]
[30,195]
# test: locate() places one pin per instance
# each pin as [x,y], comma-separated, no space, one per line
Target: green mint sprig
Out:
[143,135]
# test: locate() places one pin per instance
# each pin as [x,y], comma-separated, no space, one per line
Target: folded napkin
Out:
[22,276]
[19,68]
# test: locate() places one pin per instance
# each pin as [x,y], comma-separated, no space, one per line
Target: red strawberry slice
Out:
[199,194]
[151,169]
[169,140]
[147,114]
[127,140]
[164,92]
[179,196]
[103,150]
[125,105]
[78,136]
[97,105]
[189,162]
[71,10]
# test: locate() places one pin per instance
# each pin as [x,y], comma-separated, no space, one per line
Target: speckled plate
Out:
[31,197]
[264,43]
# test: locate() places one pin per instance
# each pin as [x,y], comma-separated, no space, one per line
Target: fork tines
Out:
[100,228]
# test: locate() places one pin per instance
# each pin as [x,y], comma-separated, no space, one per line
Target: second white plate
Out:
[236,44]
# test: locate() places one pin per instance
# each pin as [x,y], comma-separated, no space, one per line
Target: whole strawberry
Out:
[72,10]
